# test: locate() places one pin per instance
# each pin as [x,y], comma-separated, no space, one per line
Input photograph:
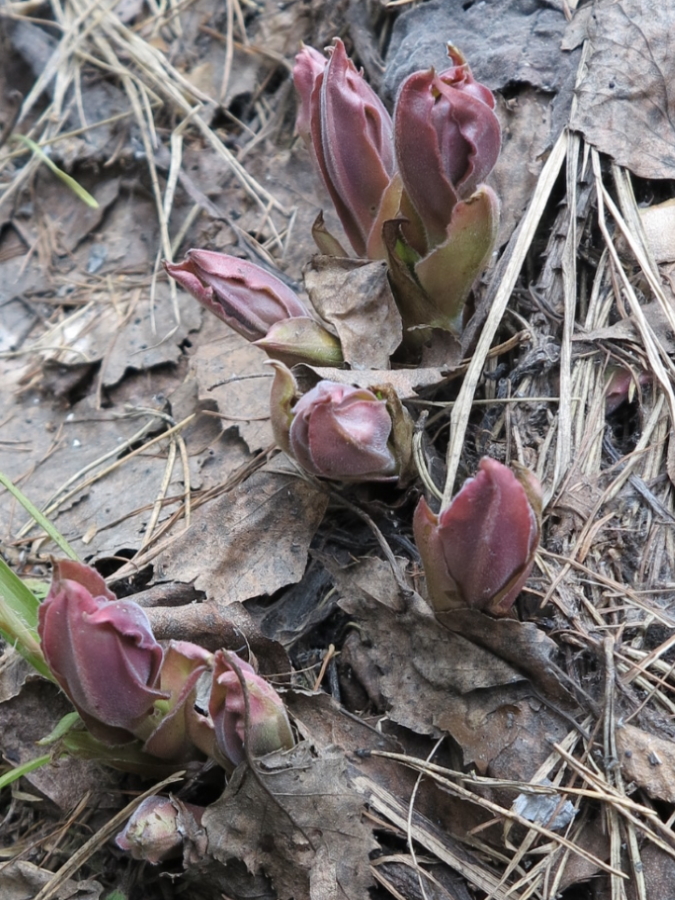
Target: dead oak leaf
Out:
[648,761]
[300,823]
[250,541]
[626,99]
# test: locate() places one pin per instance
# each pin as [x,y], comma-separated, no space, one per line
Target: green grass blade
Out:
[76,188]
[18,619]
[24,769]
[62,727]
[41,520]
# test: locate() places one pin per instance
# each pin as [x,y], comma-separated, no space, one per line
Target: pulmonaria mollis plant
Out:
[158,828]
[122,682]
[236,690]
[127,687]
[447,139]
[349,134]
[342,432]
[478,551]
[410,191]
[101,651]
[258,306]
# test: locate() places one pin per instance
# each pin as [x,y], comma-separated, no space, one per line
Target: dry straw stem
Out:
[614,778]
[601,789]
[434,841]
[515,252]
[658,358]
[457,790]
[541,871]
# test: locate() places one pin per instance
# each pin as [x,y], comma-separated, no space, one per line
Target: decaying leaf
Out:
[625,99]
[526,135]
[152,337]
[659,225]
[522,644]
[404,381]
[300,822]
[434,681]
[647,760]
[250,541]
[232,372]
[27,718]
[355,297]
[23,880]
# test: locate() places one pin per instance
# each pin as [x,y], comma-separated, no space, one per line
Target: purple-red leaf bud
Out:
[175,727]
[267,728]
[621,385]
[245,296]
[101,651]
[156,830]
[338,431]
[307,75]
[478,552]
[349,133]
[447,141]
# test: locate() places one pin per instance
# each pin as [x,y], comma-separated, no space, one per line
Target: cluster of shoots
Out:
[170,703]
[409,190]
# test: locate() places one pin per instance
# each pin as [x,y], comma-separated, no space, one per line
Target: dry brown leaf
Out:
[30,716]
[594,839]
[434,681]
[659,226]
[405,382]
[64,444]
[647,760]
[17,318]
[356,298]
[23,880]
[324,723]
[522,644]
[303,828]
[232,372]
[15,671]
[526,135]
[659,873]
[625,100]
[75,220]
[247,542]
[151,337]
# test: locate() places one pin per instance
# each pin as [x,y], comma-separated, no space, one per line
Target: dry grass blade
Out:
[517,250]
[390,807]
